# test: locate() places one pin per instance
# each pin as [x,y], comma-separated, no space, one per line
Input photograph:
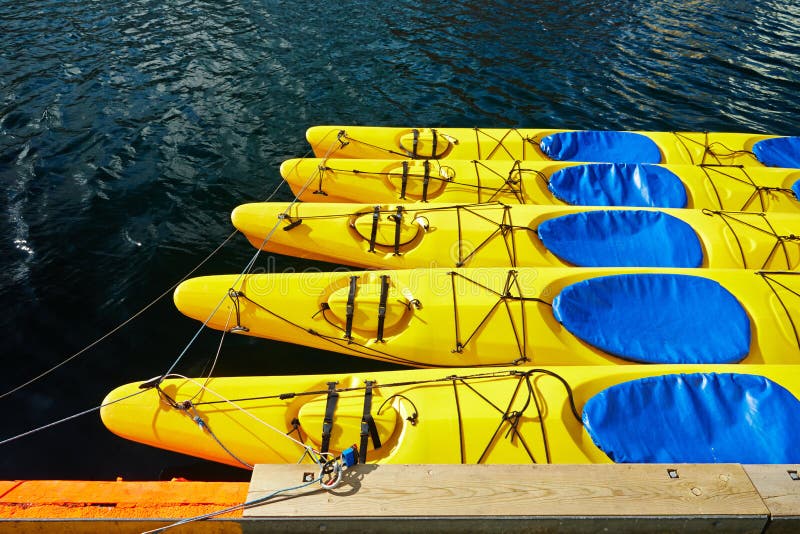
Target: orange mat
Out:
[67,499]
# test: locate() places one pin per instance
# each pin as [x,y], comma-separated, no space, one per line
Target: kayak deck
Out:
[693,148]
[502,416]
[501,316]
[738,188]
[399,236]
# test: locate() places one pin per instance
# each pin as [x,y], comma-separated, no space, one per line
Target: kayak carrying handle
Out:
[234,296]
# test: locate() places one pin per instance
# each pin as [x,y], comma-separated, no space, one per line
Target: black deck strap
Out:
[368,427]
[376,217]
[327,422]
[350,310]
[435,139]
[404,182]
[353,346]
[382,306]
[426,179]
[415,143]
[398,221]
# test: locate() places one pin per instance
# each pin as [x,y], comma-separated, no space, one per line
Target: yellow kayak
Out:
[531,182]
[692,148]
[601,414]
[402,236]
[498,316]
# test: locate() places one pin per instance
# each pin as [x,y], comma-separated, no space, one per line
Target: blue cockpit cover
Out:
[796,189]
[656,318]
[596,145]
[779,152]
[696,418]
[622,238]
[618,184]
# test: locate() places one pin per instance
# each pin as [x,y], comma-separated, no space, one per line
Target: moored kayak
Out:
[600,414]
[496,235]
[693,148]
[756,189]
[532,316]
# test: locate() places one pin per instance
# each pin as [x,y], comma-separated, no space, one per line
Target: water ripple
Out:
[128,131]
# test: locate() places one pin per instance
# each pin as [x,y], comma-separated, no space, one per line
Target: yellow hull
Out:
[372,142]
[755,189]
[469,317]
[422,416]
[488,235]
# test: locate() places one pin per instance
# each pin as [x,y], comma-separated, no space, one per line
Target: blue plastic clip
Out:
[350,456]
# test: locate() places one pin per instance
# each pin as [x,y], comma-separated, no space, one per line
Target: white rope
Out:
[132,317]
[235,508]
[70,418]
[119,326]
[327,485]
[331,147]
[140,312]
[242,275]
[314,454]
[219,350]
[283,214]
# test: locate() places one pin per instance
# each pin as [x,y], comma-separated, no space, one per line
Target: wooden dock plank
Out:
[779,487]
[701,497]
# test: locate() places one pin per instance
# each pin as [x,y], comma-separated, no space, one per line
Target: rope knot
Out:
[342,135]
[513,419]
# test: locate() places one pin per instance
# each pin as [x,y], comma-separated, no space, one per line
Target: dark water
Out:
[129,130]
